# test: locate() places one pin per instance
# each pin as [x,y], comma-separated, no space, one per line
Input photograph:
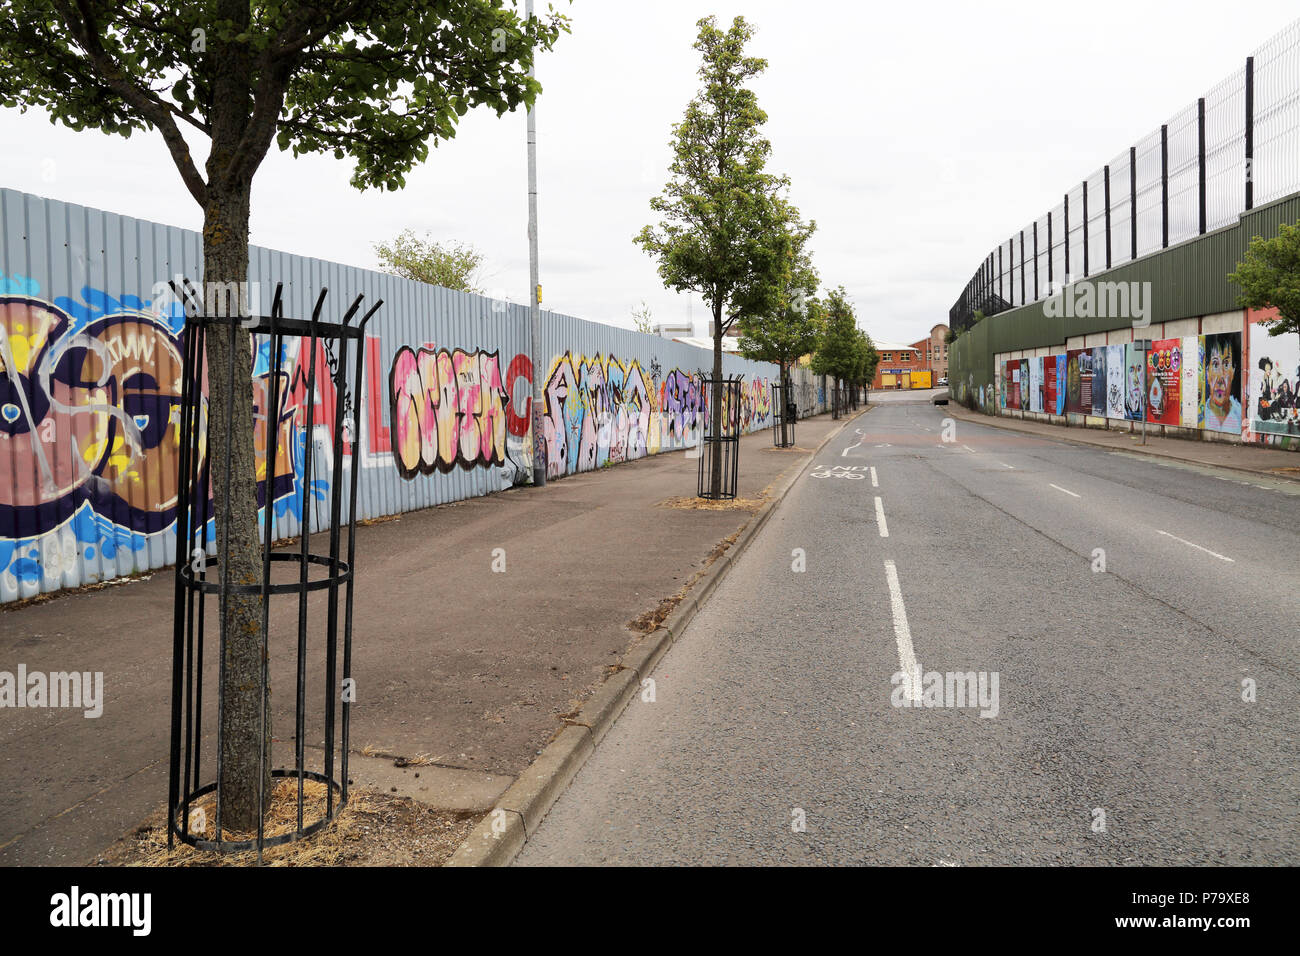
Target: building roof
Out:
[895,347]
[730,344]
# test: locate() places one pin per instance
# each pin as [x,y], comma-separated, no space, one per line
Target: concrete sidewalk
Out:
[1253,459]
[466,670]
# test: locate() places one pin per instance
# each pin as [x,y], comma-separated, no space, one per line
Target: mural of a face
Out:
[1219,371]
[1133,393]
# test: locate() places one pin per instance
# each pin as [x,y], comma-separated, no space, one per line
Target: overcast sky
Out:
[918,136]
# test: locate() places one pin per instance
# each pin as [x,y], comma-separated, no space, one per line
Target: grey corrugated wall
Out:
[78,504]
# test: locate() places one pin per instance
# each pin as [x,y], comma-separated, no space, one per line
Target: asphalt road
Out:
[1121,735]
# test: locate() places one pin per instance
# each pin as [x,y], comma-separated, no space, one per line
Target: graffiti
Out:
[452,409]
[90,402]
[448,409]
[597,411]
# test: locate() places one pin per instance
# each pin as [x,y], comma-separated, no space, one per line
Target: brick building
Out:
[897,362]
[934,352]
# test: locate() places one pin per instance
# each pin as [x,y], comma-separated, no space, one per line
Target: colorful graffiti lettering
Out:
[448,409]
[598,411]
[90,396]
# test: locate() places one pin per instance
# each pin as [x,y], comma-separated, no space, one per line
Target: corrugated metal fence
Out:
[89,385]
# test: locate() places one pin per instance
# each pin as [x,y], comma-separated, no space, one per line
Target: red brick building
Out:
[897,362]
[934,352]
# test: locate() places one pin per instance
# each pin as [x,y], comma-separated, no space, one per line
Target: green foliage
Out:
[788,329]
[844,351]
[867,358]
[723,225]
[374,80]
[950,336]
[451,265]
[642,320]
[1270,278]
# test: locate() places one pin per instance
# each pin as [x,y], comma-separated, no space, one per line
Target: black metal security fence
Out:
[1233,149]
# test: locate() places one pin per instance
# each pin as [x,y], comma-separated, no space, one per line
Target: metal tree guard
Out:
[783,416]
[200,554]
[724,446]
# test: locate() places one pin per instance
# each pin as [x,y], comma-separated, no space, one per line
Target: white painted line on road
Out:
[1197,547]
[969,449]
[875,483]
[880,518]
[1005,465]
[1066,490]
[907,662]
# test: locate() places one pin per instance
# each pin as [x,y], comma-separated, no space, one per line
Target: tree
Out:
[866,358]
[788,329]
[374,80]
[838,349]
[1270,279]
[721,231]
[452,265]
[641,319]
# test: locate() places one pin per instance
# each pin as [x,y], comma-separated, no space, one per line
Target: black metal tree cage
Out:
[203,550]
[784,412]
[721,451]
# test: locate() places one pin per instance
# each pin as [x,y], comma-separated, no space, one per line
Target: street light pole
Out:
[534,292]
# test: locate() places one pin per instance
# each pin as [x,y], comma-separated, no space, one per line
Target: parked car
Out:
[943,382]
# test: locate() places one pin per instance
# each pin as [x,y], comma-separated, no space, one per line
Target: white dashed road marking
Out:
[902,633]
[1197,547]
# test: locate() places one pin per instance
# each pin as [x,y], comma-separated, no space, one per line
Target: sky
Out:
[917,135]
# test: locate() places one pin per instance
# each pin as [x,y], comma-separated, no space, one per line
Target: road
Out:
[1145,707]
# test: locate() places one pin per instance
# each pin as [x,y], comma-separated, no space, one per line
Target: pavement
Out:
[465,670]
[1139,615]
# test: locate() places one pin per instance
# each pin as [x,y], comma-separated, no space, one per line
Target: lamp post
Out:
[535,289]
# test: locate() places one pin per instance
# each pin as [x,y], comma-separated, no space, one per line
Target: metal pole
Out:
[1250,132]
[1051,253]
[1200,123]
[1107,187]
[1146,345]
[1164,187]
[1035,260]
[1133,200]
[1086,270]
[1065,279]
[1022,267]
[534,290]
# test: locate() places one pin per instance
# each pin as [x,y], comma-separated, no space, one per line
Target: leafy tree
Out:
[866,358]
[1270,279]
[641,319]
[722,227]
[837,339]
[788,330]
[374,80]
[452,265]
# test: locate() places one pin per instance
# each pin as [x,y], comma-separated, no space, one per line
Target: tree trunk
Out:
[233,469]
[715,402]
